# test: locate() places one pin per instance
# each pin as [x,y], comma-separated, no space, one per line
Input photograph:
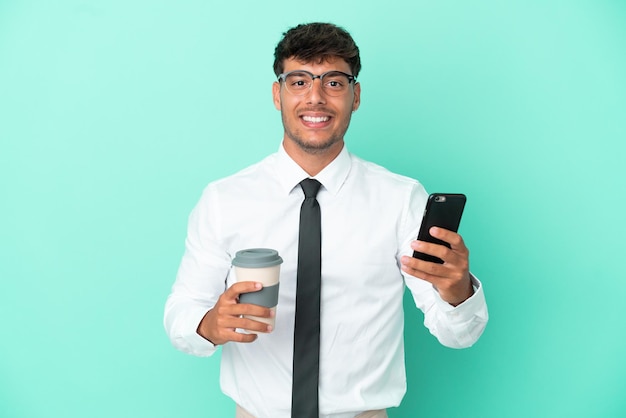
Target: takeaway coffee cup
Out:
[259,265]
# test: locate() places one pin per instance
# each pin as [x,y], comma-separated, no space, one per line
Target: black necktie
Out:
[306,341]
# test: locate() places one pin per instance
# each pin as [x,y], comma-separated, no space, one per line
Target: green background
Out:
[115,114]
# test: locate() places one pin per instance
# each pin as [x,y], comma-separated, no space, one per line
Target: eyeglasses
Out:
[334,83]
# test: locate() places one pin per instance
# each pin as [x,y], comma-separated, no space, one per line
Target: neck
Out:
[312,160]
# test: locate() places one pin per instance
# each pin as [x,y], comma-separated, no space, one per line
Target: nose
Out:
[316,93]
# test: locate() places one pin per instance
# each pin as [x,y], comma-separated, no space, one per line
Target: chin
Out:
[317,147]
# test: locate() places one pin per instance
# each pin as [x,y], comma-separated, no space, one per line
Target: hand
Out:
[219,324]
[451,279]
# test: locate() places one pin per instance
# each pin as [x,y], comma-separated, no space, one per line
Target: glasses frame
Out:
[283,77]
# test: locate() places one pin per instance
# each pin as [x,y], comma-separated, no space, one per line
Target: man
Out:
[369,221]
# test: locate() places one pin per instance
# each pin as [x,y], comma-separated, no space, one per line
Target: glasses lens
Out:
[334,83]
[298,83]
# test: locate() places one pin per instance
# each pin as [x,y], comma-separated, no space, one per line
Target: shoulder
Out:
[256,172]
[375,174]
[244,182]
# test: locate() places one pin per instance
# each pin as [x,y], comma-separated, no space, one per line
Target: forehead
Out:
[317,66]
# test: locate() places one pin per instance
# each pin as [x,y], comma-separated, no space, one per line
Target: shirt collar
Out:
[332,177]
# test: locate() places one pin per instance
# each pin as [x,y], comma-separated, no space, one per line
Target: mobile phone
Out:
[443,210]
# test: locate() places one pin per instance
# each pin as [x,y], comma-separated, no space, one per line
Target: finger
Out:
[250,324]
[455,264]
[448,282]
[254,310]
[245,323]
[239,337]
[454,239]
[238,309]
[238,288]
[454,267]
[424,270]
[219,328]
[456,258]
[435,250]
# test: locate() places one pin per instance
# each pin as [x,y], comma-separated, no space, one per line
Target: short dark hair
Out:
[317,42]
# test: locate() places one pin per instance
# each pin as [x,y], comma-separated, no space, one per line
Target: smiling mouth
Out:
[315,119]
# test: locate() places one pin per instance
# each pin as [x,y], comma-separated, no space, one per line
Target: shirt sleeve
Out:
[201,278]
[454,327]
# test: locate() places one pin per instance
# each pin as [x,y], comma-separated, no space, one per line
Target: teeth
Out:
[313,119]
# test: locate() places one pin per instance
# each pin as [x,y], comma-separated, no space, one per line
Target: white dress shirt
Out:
[369,218]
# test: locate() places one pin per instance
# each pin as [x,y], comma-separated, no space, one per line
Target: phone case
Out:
[443,210]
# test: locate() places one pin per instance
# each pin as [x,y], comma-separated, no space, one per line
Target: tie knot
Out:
[310,187]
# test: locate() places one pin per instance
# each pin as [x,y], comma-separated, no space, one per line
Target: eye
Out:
[298,81]
[335,81]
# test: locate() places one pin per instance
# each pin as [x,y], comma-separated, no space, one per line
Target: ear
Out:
[357,97]
[276,95]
